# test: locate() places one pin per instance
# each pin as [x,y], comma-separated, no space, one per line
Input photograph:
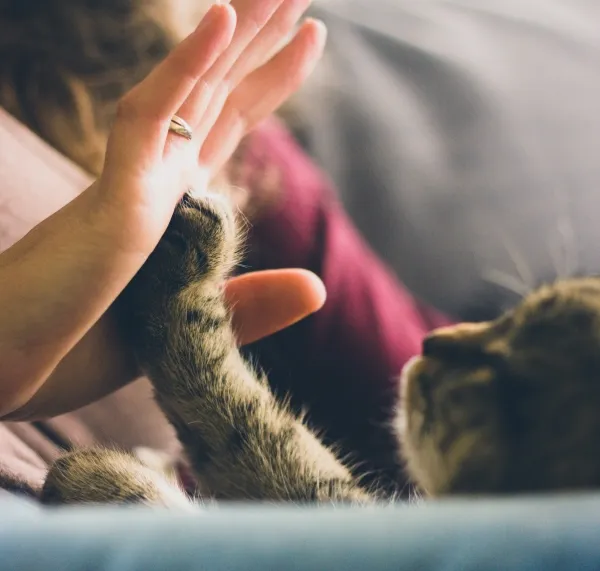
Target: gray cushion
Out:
[464,138]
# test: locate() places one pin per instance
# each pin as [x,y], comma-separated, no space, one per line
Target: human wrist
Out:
[129,223]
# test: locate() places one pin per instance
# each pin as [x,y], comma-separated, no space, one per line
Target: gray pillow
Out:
[464,139]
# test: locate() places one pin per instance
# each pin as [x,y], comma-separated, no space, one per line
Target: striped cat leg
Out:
[243,444]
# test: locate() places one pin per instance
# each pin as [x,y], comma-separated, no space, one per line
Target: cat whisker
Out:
[507,282]
[566,259]
[242,217]
[565,263]
[523,269]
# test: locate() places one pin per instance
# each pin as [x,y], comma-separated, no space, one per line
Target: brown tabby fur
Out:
[512,405]
[241,442]
[504,406]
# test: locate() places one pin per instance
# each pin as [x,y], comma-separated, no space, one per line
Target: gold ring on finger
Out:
[180,127]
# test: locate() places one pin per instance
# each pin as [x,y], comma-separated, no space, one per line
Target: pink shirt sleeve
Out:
[342,363]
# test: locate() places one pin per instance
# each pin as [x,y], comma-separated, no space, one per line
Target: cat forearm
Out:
[242,443]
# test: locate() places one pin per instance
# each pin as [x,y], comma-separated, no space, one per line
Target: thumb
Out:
[268,301]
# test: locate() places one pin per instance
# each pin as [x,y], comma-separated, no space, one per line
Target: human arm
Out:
[109,233]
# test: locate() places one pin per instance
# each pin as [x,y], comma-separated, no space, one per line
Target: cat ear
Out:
[465,339]
[461,336]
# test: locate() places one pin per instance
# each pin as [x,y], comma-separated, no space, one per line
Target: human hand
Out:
[217,82]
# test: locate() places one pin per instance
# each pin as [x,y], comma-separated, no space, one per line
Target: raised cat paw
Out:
[185,272]
[199,245]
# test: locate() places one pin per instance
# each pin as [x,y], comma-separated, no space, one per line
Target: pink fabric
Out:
[343,362]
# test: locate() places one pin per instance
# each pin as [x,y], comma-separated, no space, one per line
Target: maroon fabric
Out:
[342,363]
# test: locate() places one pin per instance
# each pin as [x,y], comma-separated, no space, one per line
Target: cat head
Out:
[512,404]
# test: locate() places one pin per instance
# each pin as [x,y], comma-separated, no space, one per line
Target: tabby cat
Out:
[506,406]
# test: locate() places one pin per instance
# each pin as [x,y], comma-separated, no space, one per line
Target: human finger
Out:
[252,15]
[147,109]
[262,92]
[268,301]
[275,33]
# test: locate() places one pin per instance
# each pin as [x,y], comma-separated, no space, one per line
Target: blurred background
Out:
[463,136]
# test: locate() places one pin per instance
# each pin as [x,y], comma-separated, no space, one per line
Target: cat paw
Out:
[199,244]
[197,251]
[100,476]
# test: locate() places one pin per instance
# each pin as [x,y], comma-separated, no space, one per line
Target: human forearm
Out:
[56,283]
[98,364]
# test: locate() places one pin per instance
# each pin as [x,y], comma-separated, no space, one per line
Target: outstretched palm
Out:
[218,82]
